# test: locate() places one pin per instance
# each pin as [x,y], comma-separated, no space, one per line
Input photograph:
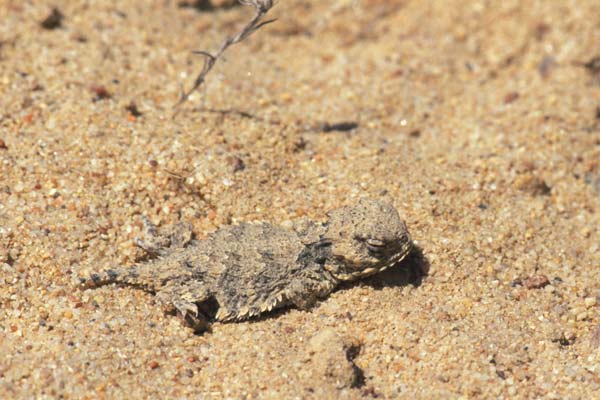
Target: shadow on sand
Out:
[410,271]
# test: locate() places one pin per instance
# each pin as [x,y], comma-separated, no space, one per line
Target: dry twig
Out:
[261,8]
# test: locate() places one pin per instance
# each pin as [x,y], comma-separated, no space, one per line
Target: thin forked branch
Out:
[261,8]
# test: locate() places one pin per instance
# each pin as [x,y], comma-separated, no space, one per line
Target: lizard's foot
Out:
[191,316]
[187,301]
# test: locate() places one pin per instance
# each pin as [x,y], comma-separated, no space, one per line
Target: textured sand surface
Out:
[479,121]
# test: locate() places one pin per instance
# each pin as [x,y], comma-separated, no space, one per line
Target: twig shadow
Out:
[239,113]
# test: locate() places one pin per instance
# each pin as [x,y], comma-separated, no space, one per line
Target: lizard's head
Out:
[365,239]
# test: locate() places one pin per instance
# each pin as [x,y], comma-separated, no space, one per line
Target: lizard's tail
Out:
[125,276]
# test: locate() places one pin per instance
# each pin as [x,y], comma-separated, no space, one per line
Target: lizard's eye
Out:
[375,245]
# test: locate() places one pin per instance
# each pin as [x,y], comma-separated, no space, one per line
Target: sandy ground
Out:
[479,121]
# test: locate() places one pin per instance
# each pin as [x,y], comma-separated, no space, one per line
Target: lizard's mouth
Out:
[360,270]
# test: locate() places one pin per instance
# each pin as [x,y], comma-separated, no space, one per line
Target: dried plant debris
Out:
[261,7]
[344,126]
[243,271]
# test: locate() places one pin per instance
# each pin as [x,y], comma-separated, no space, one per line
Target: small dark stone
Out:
[53,20]
[511,97]
[593,65]
[536,282]
[101,92]
[545,66]
[299,144]
[516,282]
[133,110]
[482,206]
[541,30]
[237,164]
[112,274]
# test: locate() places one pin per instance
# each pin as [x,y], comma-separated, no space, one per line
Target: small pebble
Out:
[331,356]
[536,282]
[590,302]
[53,20]
[101,92]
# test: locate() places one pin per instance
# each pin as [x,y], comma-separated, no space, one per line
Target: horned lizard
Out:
[242,271]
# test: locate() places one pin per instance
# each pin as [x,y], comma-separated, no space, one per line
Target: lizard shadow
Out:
[411,271]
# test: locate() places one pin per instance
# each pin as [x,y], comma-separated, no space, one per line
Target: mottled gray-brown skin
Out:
[242,271]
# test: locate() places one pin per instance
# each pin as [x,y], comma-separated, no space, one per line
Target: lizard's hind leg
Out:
[190,300]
